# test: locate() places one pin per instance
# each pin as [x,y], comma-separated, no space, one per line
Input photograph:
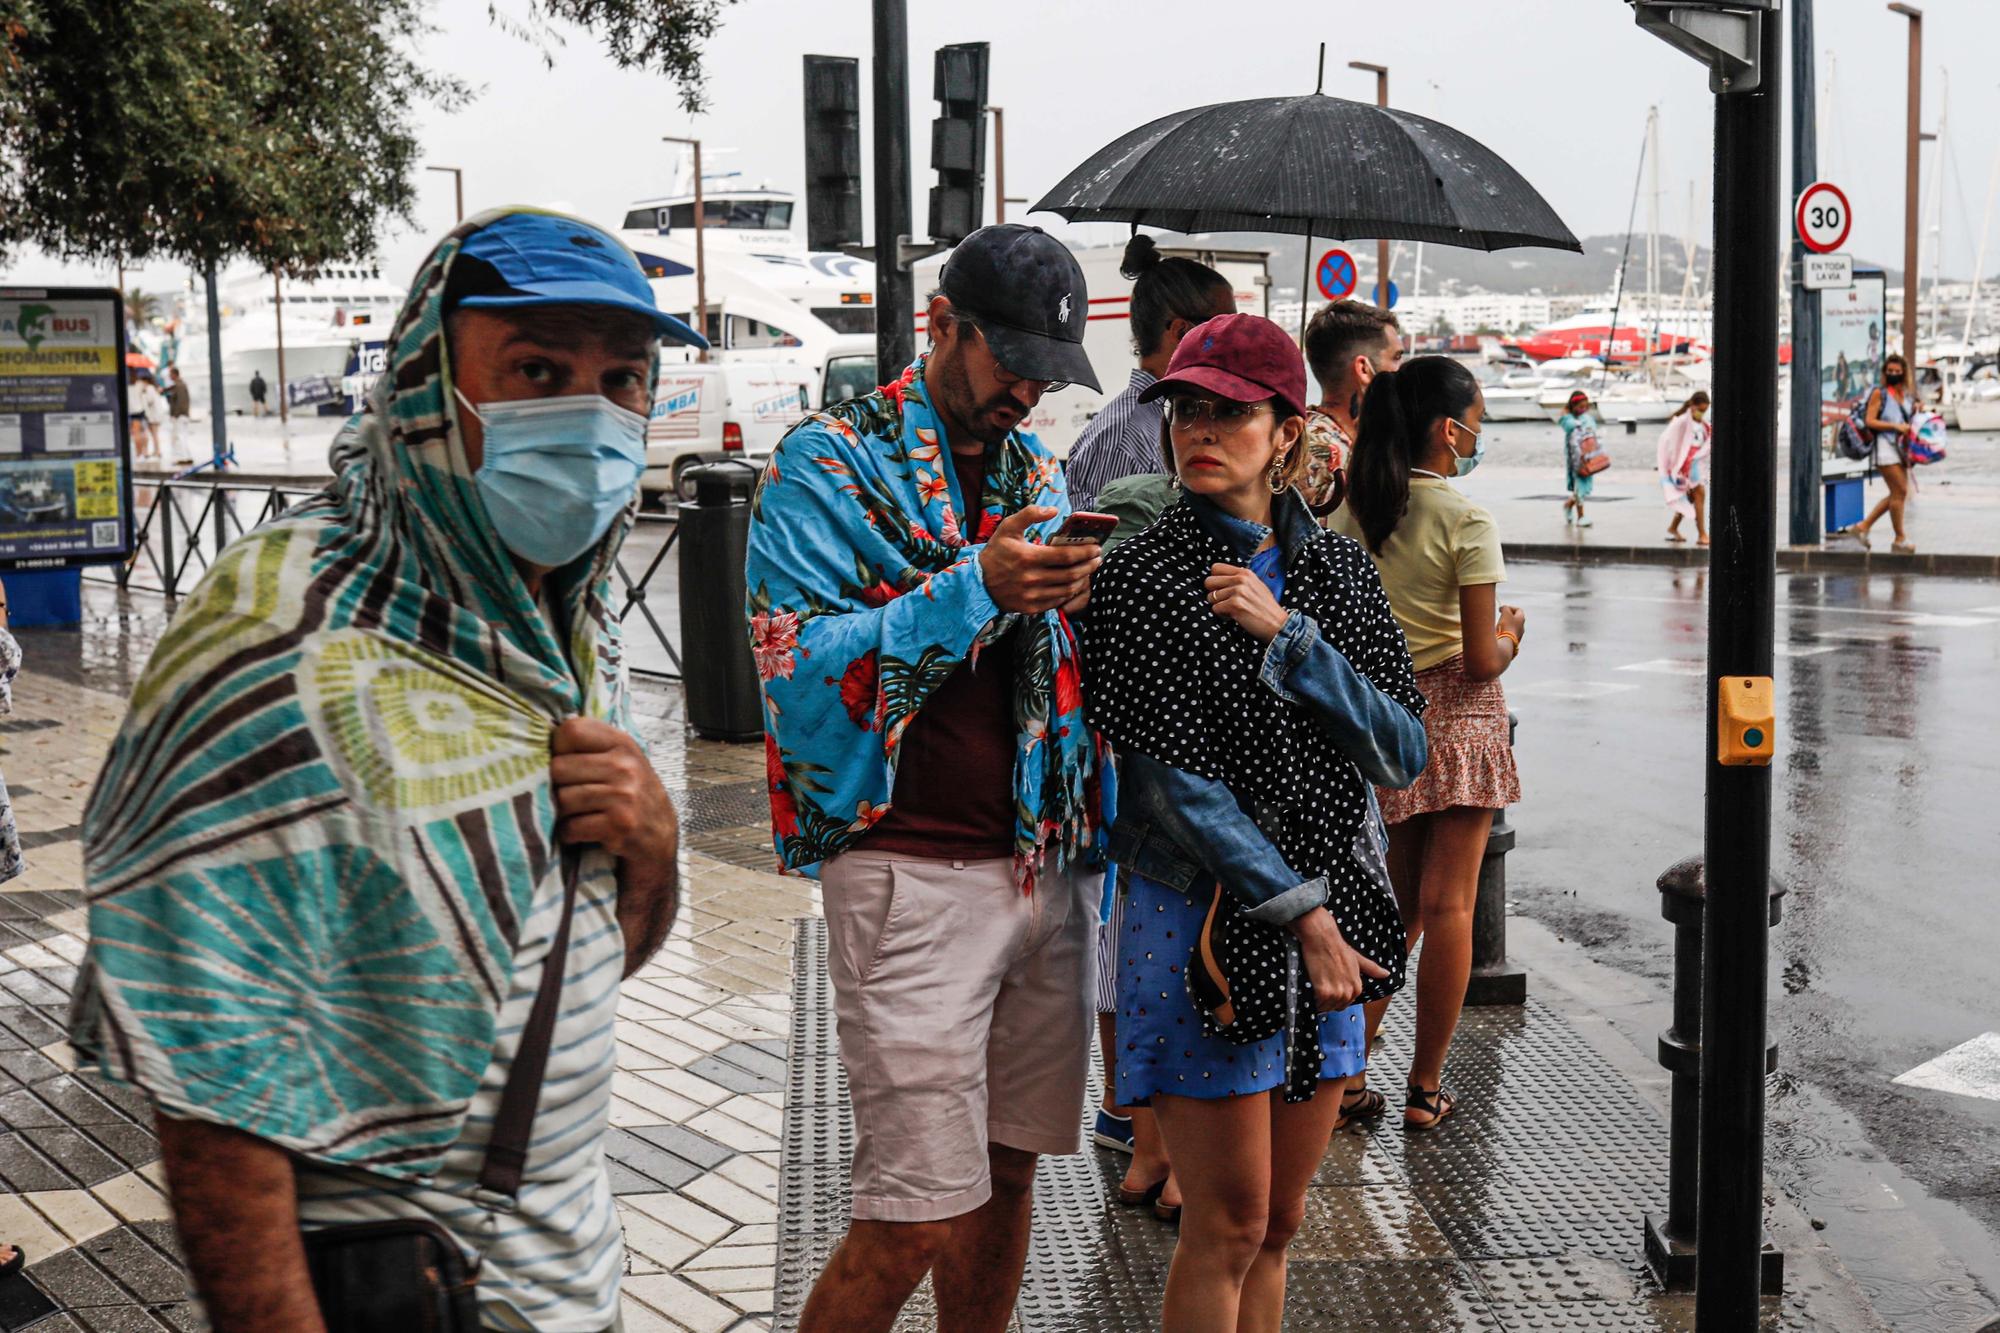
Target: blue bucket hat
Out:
[549,259]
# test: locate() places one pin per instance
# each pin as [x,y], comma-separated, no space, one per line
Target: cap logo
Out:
[1062,310]
[587,242]
[1208,342]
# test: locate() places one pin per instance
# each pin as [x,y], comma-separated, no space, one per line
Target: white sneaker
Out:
[1583,523]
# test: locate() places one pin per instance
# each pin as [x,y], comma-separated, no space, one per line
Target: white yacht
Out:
[325,319]
[769,298]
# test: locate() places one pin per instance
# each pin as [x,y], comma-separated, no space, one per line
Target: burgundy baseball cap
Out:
[1245,358]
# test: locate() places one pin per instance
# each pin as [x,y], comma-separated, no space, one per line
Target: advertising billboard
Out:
[65,456]
[1853,338]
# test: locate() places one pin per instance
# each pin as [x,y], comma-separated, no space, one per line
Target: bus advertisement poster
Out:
[65,447]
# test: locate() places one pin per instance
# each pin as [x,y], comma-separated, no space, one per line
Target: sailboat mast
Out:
[1979,265]
[1937,200]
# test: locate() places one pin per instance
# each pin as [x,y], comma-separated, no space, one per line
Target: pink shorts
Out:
[964,1009]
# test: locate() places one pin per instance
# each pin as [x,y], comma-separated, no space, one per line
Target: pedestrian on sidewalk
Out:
[155,408]
[1348,343]
[180,409]
[378,806]
[11,863]
[1439,556]
[258,388]
[1891,414]
[1579,427]
[1257,912]
[1169,297]
[1683,448]
[930,763]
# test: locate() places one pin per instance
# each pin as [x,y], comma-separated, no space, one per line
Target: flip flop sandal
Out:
[1170,1213]
[14,1265]
[1361,1106]
[1438,1105]
[1145,1198]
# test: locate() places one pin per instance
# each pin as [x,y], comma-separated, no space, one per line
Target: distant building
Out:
[1467,312]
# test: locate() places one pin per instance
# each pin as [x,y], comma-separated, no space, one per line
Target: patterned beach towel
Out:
[328,811]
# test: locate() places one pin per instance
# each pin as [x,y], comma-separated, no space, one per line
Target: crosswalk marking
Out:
[1574,690]
[1670,666]
[1970,1069]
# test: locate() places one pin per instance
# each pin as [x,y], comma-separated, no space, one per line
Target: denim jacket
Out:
[1176,828]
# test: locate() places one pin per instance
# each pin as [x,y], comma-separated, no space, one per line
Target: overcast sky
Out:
[1562,95]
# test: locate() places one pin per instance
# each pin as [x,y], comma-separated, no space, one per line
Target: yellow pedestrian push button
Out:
[1746,720]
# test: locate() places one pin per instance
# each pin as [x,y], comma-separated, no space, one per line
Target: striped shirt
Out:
[1122,440]
[554,1263]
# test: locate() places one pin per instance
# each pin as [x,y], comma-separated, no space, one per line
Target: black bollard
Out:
[1493,981]
[1670,1241]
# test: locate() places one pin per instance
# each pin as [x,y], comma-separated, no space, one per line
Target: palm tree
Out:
[141,307]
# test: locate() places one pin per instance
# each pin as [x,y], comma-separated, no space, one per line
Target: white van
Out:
[705,412]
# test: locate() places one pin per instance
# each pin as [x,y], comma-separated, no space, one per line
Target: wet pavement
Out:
[1884,836]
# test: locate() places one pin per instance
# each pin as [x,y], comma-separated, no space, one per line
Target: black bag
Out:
[409,1274]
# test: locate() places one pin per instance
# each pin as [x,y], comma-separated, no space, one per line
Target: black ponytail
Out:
[1394,435]
[1164,290]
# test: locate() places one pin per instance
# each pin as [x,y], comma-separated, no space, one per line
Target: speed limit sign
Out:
[1823,217]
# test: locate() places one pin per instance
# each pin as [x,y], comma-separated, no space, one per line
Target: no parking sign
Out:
[1336,274]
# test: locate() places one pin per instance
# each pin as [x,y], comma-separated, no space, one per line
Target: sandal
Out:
[1676,537]
[1438,1105]
[1170,1213]
[15,1264]
[1144,1198]
[1903,548]
[1363,1105]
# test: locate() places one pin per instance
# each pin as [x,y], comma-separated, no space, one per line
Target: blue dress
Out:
[1161,1047]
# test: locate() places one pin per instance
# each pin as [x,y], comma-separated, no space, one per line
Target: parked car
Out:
[707,412]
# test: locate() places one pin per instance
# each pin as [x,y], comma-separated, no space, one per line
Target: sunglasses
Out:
[1185,411]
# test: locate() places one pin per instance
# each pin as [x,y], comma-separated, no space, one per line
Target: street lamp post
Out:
[457,187]
[700,257]
[1912,146]
[1000,199]
[1381,73]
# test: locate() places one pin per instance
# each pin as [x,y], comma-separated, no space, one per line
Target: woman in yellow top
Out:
[1439,557]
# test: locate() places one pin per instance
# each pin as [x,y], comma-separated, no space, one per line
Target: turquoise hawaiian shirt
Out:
[865,593]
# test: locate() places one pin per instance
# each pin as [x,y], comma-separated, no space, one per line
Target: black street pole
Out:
[1806,388]
[895,296]
[1742,588]
[218,429]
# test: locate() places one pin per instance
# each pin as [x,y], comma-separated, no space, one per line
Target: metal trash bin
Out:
[723,699]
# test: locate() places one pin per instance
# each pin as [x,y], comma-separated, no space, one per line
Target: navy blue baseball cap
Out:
[549,259]
[1024,290]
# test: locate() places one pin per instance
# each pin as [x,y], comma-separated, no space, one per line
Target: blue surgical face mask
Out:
[557,471]
[1463,465]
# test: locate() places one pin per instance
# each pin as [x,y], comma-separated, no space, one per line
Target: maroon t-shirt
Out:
[954,794]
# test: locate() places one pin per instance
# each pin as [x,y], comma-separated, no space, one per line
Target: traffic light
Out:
[833,152]
[958,142]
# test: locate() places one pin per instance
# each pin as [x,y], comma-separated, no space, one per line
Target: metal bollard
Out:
[1493,981]
[1670,1241]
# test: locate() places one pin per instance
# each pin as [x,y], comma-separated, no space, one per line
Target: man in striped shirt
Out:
[1169,297]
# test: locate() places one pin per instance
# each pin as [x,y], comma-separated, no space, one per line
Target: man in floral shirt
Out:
[930,763]
[1348,343]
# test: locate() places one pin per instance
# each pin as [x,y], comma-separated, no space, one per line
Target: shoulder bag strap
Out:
[514,1122]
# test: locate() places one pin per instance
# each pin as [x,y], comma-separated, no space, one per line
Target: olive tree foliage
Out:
[281,132]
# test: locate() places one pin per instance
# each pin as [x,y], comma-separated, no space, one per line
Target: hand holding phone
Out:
[1085,528]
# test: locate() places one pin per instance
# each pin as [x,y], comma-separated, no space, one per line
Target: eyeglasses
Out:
[1184,411]
[1008,379]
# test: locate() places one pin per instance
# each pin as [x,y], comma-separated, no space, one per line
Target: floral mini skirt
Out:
[1471,762]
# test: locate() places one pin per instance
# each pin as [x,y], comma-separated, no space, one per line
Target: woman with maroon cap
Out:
[1247,668]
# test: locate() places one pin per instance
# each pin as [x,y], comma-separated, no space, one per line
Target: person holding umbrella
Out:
[1247,668]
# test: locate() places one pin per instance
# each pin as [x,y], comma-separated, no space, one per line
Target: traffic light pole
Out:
[1806,389]
[1742,43]
[895,294]
[1742,588]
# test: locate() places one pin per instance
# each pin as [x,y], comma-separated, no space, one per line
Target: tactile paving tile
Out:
[1351,1223]
[1421,1296]
[724,805]
[1356,1159]
[1558,1277]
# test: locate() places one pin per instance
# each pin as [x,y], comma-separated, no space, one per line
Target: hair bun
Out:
[1141,255]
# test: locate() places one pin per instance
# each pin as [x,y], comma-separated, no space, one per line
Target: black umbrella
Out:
[1315,165]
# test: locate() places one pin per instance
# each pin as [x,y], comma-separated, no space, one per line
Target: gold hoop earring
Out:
[1276,477]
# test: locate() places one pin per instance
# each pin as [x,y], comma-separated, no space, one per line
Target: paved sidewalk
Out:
[698,1095]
